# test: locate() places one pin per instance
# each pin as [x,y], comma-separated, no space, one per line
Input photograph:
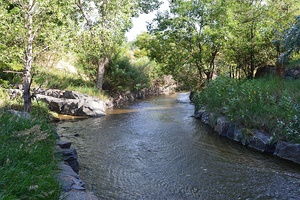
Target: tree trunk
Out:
[212,63]
[28,57]
[27,83]
[102,63]
[252,54]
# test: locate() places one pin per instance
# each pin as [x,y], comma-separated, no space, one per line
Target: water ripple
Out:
[155,150]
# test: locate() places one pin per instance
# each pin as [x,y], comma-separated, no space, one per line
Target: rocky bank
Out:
[254,139]
[72,186]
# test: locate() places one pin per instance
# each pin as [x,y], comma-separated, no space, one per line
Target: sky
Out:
[140,23]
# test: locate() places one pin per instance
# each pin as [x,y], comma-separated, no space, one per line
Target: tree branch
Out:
[41,51]
[88,21]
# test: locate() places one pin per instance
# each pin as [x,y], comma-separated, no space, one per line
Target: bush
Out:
[269,105]
[122,75]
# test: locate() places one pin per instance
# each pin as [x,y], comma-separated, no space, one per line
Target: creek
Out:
[154,149]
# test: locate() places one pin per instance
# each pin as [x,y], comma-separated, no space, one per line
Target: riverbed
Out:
[154,149]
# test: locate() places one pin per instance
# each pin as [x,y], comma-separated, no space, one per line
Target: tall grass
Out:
[56,79]
[92,91]
[268,104]
[28,165]
[3,97]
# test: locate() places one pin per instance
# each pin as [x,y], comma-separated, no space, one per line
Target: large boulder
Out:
[261,142]
[14,93]
[20,114]
[70,157]
[198,114]
[72,103]
[222,126]
[288,151]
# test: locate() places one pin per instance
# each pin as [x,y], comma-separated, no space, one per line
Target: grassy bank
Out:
[28,165]
[271,105]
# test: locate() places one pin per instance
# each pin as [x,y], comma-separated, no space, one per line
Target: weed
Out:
[28,165]
[266,104]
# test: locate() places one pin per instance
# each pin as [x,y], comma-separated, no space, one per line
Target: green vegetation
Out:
[93,31]
[130,71]
[28,164]
[193,41]
[267,104]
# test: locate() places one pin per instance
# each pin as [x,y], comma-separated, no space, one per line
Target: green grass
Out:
[268,104]
[91,91]
[56,79]
[3,97]
[28,164]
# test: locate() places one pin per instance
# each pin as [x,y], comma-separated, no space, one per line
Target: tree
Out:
[255,26]
[105,23]
[32,27]
[291,43]
[206,34]
[191,36]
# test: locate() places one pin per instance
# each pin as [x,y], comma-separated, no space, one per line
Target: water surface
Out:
[154,149]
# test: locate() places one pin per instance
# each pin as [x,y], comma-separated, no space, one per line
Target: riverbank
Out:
[262,114]
[43,172]
[69,183]
[254,139]
[28,163]
[73,188]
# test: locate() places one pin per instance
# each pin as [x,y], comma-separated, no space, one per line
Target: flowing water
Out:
[154,149]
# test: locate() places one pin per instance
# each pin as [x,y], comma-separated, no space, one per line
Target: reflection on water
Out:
[155,150]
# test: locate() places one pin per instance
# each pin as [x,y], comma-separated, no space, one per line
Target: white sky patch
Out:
[140,23]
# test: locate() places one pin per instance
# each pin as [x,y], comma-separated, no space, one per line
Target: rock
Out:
[109,104]
[230,133]
[83,106]
[212,122]
[292,73]
[254,139]
[79,195]
[288,151]
[56,135]
[72,186]
[183,99]
[93,107]
[68,177]
[198,114]
[205,118]
[72,95]
[191,96]
[245,137]
[238,135]
[70,156]
[14,93]
[20,114]
[261,142]
[222,126]
[64,144]
[66,170]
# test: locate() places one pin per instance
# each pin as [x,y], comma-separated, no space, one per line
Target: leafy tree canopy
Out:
[291,41]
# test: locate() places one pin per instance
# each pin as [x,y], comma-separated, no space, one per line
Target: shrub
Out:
[265,104]
[122,75]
